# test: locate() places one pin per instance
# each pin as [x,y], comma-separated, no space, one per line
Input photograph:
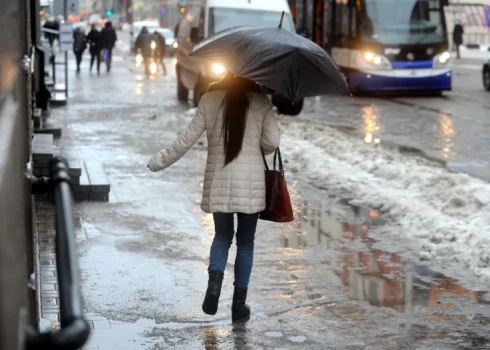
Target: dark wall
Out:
[15,203]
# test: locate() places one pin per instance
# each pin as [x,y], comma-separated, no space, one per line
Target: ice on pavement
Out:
[444,215]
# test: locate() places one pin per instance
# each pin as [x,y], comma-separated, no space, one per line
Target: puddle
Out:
[381,276]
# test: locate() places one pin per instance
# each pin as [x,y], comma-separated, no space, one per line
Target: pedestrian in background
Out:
[79,46]
[109,38]
[161,49]
[143,45]
[458,32]
[240,124]
[95,46]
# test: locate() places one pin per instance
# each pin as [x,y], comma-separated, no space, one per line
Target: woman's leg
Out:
[224,231]
[223,237]
[98,62]
[245,236]
[79,60]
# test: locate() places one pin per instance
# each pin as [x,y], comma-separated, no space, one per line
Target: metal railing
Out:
[74,330]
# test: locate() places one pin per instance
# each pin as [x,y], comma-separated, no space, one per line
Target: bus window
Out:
[342,25]
[327,25]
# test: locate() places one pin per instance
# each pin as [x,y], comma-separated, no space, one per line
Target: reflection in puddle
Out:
[370,273]
[447,135]
[371,127]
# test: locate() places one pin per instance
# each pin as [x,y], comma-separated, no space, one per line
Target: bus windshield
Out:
[224,18]
[403,22]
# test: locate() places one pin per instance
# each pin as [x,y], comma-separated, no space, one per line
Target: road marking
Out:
[468,66]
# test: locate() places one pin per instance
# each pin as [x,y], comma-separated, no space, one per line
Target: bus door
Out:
[344,30]
[318,21]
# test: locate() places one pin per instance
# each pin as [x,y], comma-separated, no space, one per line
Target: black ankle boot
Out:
[210,304]
[239,310]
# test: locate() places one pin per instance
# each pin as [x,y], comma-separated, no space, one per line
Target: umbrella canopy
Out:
[276,58]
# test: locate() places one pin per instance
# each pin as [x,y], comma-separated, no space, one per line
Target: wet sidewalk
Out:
[330,280]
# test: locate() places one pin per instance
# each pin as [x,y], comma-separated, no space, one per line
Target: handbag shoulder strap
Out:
[277,154]
[265,161]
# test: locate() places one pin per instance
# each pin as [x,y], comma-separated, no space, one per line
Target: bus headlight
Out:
[442,59]
[218,69]
[376,61]
[175,45]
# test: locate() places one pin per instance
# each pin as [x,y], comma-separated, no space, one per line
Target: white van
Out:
[203,18]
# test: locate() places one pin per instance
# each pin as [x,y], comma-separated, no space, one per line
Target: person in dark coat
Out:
[109,38]
[79,46]
[458,37]
[95,46]
[48,35]
[161,48]
[143,44]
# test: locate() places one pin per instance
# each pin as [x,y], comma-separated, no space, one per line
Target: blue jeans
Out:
[245,235]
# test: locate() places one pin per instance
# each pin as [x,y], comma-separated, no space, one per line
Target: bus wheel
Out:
[284,105]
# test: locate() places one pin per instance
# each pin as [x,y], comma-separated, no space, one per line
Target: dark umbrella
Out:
[281,60]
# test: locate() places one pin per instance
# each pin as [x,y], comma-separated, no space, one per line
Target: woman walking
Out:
[79,46]
[240,124]
[94,41]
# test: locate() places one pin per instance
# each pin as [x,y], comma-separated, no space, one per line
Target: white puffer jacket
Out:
[240,186]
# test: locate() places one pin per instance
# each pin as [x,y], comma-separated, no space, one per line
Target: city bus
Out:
[381,45]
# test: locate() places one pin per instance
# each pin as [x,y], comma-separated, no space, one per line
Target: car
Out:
[486,73]
[136,29]
[170,41]
[203,18]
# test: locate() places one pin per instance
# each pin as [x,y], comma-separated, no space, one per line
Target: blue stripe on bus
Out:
[411,64]
[359,81]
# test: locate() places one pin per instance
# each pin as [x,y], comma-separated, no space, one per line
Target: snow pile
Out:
[446,215]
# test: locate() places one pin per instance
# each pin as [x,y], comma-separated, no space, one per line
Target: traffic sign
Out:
[66,36]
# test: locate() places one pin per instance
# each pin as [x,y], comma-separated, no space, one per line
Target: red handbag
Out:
[278,204]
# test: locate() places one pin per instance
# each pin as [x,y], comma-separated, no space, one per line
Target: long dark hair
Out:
[235,110]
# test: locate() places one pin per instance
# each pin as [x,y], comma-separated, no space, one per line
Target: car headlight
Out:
[376,61]
[139,59]
[442,59]
[153,68]
[175,45]
[218,69]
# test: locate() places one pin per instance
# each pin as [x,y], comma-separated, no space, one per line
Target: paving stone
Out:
[49,302]
[102,324]
[48,287]
[95,318]
[122,326]
[42,147]
[82,190]
[51,316]
[48,262]
[74,167]
[50,294]
[48,273]
[75,180]
[99,196]
[97,177]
